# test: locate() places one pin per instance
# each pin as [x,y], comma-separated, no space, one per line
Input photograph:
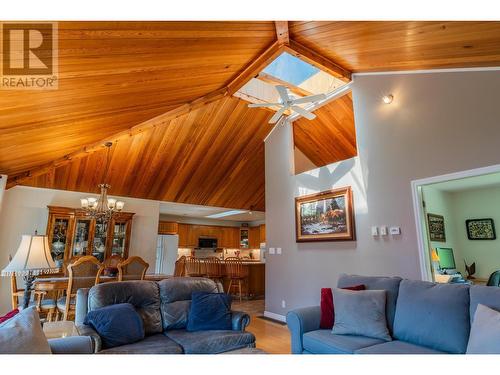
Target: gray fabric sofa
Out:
[164,308]
[422,317]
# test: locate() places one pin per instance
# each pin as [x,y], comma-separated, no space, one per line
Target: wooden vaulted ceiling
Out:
[161,91]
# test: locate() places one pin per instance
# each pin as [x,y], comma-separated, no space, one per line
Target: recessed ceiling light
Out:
[387,99]
[225,213]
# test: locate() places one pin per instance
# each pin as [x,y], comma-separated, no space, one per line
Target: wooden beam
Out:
[282,32]
[276,81]
[157,121]
[254,68]
[321,62]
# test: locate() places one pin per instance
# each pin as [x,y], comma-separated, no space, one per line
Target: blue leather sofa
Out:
[422,317]
[164,308]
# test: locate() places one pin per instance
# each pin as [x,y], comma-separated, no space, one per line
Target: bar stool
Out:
[193,267]
[235,272]
[213,269]
[180,267]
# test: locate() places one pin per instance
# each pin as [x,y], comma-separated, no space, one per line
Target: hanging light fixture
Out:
[102,208]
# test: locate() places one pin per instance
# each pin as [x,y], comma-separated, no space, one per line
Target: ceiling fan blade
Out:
[260,105]
[310,99]
[277,116]
[303,112]
[283,93]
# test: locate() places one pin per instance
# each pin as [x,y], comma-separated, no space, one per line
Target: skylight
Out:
[225,213]
[290,69]
[299,77]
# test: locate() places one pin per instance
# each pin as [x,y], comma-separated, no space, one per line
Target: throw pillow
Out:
[209,311]
[23,334]
[116,324]
[361,313]
[9,315]
[484,332]
[327,307]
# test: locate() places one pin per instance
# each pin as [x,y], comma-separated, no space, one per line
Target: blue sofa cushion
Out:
[389,284]
[397,347]
[361,313]
[484,295]
[155,344]
[211,342]
[323,341]
[485,332]
[116,324]
[209,311]
[433,315]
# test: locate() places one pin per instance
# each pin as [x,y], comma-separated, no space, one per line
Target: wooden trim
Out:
[157,121]
[252,70]
[298,50]
[282,32]
[276,81]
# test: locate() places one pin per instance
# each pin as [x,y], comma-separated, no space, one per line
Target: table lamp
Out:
[435,261]
[32,259]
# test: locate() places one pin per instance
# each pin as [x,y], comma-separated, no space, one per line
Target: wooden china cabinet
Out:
[71,234]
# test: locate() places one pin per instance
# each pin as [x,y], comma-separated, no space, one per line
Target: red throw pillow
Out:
[327,308]
[9,315]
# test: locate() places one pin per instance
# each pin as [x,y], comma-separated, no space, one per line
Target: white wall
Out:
[477,204]
[438,123]
[25,210]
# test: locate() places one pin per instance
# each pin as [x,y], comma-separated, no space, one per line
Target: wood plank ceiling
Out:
[121,79]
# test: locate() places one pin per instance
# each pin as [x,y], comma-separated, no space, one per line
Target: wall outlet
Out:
[283,304]
[278,250]
[271,250]
[383,230]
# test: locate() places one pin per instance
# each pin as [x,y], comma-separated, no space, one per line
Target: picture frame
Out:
[435,224]
[325,216]
[480,229]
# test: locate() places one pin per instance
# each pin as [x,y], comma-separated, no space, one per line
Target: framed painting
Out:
[436,228]
[325,216]
[480,229]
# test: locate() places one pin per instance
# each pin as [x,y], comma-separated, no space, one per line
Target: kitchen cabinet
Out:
[254,238]
[227,237]
[72,234]
[168,227]
[262,229]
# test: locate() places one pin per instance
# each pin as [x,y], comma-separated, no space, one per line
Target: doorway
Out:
[455,216]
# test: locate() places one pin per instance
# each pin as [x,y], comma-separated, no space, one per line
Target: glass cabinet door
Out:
[81,237]
[58,239]
[99,245]
[244,238]
[119,238]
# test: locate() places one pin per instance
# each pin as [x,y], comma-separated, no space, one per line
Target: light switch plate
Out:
[278,250]
[374,231]
[395,231]
[383,230]
[271,250]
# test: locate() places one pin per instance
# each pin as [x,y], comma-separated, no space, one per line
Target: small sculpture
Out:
[471,270]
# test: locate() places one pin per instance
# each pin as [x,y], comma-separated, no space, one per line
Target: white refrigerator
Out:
[166,253]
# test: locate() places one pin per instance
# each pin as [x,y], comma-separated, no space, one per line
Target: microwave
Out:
[207,243]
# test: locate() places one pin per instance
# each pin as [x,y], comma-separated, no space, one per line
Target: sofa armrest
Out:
[72,345]
[86,330]
[300,321]
[240,320]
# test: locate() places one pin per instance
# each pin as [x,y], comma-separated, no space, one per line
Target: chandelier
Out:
[102,209]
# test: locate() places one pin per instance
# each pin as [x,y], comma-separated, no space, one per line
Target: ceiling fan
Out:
[288,102]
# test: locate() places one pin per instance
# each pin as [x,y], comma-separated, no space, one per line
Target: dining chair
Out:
[236,274]
[194,267]
[180,267]
[46,306]
[83,273]
[213,269]
[133,268]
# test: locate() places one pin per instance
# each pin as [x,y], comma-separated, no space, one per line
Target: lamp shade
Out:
[434,256]
[33,256]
